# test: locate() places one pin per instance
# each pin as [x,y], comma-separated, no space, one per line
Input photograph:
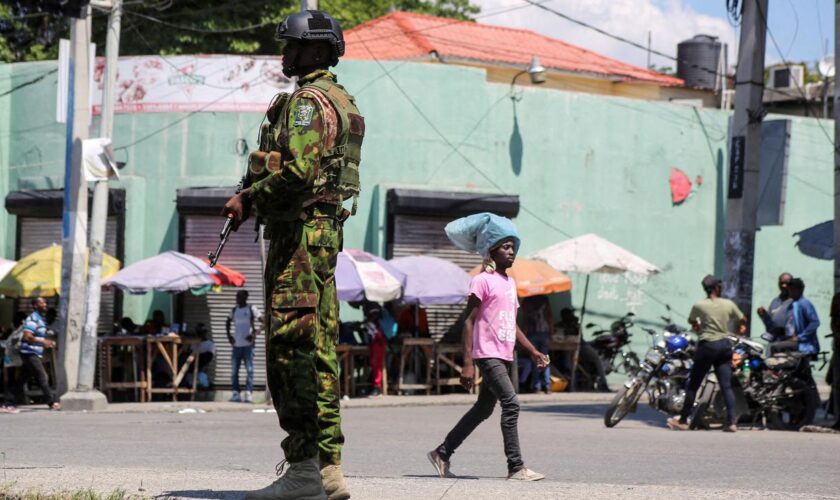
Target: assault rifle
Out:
[224,234]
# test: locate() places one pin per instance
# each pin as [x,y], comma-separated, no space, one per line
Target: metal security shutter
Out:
[36,233]
[424,235]
[201,235]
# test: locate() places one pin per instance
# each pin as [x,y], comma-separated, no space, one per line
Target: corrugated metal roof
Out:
[404,35]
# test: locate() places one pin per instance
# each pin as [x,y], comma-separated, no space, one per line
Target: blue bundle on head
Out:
[480,233]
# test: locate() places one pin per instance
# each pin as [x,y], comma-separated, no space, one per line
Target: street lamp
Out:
[536,73]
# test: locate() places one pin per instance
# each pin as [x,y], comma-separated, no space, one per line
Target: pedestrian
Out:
[32,348]
[709,318]
[775,316]
[801,324]
[310,171]
[490,334]
[244,318]
[377,344]
[538,323]
[833,376]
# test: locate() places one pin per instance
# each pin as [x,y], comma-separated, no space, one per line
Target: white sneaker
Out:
[247,397]
[525,474]
[234,398]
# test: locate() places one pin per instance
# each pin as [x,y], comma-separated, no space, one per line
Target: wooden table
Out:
[169,348]
[568,343]
[133,342]
[447,354]
[408,346]
[346,355]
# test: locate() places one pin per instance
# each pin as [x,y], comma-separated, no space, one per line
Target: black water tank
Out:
[697,61]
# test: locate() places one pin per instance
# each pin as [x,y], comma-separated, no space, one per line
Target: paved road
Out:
[220,454]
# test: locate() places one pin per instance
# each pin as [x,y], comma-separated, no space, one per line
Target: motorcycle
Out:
[662,374]
[778,389]
[613,346]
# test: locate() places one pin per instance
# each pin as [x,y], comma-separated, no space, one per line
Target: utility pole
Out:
[836,166]
[744,151]
[308,5]
[86,397]
[835,360]
[74,230]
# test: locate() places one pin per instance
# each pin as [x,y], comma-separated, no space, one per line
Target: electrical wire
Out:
[795,28]
[823,41]
[798,86]
[179,120]
[199,30]
[464,157]
[28,83]
[449,23]
[134,27]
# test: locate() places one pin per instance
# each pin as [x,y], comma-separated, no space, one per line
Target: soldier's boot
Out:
[301,482]
[334,485]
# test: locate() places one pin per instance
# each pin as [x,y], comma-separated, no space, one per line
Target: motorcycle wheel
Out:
[795,407]
[624,400]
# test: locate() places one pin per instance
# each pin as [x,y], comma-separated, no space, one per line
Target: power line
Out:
[200,30]
[134,27]
[28,83]
[179,120]
[449,23]
[446,140]
[798,86]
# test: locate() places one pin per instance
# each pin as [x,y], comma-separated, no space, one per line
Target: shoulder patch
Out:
[303,114]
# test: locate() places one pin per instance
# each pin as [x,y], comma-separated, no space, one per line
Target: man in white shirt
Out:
[244,318]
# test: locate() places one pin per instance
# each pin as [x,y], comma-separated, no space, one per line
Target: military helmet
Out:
[312,25]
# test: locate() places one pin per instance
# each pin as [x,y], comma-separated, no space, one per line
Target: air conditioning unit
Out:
[786,77]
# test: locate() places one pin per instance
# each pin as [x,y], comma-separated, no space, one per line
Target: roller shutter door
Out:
[40,232]
[201,235]
[424,235]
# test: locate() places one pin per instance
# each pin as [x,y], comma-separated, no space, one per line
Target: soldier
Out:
[308,164]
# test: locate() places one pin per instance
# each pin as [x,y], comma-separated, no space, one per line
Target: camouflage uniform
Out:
[299,202]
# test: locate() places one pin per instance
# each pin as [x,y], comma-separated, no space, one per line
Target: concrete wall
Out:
[580,163]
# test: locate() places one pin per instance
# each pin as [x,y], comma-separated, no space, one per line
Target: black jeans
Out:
[33,367]
[495,386]
[707,355]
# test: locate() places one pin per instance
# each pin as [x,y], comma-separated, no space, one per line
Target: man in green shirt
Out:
[710,318]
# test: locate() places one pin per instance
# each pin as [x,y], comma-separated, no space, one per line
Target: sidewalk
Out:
[377,402]
[570,398]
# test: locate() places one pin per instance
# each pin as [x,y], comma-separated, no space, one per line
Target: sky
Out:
[800,27]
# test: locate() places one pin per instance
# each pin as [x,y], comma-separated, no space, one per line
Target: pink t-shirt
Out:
[494,333]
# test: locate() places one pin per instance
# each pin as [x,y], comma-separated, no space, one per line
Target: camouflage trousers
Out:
[302,334]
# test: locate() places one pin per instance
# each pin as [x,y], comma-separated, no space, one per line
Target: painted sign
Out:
[736,167]
[173,84]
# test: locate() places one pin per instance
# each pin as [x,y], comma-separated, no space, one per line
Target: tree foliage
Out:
[193,26]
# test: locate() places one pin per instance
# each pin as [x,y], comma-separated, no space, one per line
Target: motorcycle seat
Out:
[783,360]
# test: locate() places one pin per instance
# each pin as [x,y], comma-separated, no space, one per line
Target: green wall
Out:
[580,163]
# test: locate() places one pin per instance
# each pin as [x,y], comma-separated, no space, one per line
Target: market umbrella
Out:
[817,241]
[6,266]
[226,276]
[431,280]
[589,254]
[534,277]
[360,275]
[39,274]
[168,272]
